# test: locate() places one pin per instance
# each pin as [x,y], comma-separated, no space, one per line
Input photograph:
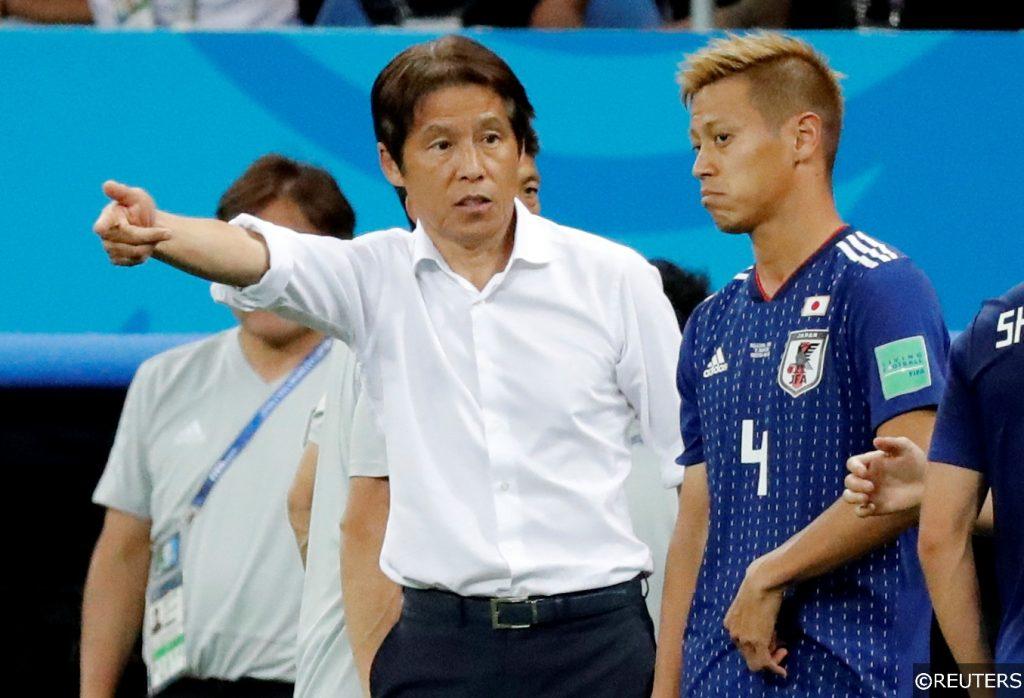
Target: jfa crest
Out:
[803,361]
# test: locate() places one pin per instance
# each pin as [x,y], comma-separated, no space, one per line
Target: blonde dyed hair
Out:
[787,76]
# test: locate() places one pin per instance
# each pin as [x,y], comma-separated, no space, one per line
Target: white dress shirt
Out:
[505,410]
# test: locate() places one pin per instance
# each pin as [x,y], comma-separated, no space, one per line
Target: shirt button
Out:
[503,487]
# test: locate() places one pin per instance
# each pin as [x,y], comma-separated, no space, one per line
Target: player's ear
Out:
[389,167]
[807,135]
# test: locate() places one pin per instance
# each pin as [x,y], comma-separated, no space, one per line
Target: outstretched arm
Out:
[133,230]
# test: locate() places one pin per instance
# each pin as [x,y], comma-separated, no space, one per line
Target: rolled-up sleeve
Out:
[315,280]
[646,371]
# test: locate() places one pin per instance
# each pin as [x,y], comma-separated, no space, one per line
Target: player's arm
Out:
[953,496]
[114,600]
[317,281]
[372,601]
[834,538]
[300,498]
[682,565]
[133,230]
[891,479]
[838,535]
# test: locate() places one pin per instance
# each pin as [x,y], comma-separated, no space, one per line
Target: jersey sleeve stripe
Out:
[854,257]
[875,243]
[864,249]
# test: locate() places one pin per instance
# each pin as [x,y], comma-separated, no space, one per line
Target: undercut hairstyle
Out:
[312,189]
[787,77]
[446,62]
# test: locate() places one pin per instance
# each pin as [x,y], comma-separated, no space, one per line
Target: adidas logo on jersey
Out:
[717,364]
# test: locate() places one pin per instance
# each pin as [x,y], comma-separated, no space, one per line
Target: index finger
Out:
[120,193]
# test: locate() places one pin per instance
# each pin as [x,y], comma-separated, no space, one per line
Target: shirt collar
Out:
[532,243]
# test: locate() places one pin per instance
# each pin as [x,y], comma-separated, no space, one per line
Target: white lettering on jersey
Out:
[755,456]
[1012,327]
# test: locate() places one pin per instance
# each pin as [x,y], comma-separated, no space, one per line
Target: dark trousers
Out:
[242,688]
[609,655]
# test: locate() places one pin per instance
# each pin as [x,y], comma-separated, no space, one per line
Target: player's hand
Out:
[127,225]
[750,622]
[888,480]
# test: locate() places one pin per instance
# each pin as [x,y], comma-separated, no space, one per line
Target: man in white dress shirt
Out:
[506,356]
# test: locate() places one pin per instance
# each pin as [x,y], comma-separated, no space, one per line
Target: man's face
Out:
[459,163]
[529,183]
[743,164]
[269,327]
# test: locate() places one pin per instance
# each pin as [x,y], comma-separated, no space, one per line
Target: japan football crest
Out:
[803,361]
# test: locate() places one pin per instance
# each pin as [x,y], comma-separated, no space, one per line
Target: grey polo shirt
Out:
[350,444]
[242,572]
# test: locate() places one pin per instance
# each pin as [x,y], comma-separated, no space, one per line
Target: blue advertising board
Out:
[928,160]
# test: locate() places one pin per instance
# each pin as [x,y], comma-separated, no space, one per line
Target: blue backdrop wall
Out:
[928,160]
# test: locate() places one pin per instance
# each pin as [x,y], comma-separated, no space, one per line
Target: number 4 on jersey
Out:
[755,456]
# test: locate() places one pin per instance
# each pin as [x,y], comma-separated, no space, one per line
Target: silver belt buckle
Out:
[496,605]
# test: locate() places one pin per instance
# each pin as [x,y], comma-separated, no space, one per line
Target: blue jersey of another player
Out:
[981,426]
[776,395]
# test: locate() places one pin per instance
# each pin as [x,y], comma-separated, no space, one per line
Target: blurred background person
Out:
[344,442]
[797,14]
[438,15]
[215,523]
[205,14]
[45,11]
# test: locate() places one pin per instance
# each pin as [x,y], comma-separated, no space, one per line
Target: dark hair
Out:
[531,143]
[312,189]
[685,289]
[421,69]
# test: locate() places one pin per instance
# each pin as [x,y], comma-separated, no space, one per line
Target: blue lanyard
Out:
[245,436]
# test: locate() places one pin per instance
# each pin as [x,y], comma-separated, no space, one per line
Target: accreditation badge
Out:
[164,629]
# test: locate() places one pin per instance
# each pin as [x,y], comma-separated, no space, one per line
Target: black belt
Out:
[517,613]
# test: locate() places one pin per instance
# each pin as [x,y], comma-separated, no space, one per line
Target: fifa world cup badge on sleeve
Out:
[903,366]
[164,630]
[803,361]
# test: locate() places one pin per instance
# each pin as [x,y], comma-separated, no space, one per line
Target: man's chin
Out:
[731,227]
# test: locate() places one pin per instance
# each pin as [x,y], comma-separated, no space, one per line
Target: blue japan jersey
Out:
[776,395]
[981,426]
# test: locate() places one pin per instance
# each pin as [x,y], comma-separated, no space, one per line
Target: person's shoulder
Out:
[992,308]
[384,236]
[164,369]
[872,268]
[994,322]
[390,239]
[718,302]
[590,246]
